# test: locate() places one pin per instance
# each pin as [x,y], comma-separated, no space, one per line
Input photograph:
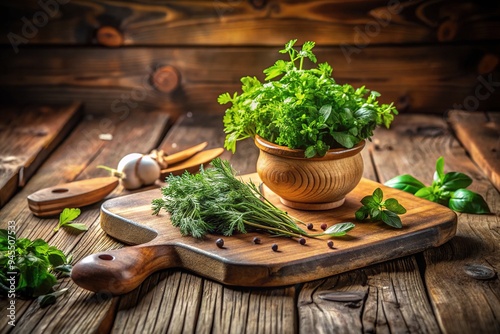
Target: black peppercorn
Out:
[330,244]
[220,243]
[274,247]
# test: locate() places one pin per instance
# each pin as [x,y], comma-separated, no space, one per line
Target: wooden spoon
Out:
[184,154]
[192,165]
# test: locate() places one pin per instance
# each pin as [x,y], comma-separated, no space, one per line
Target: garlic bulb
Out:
[138,170]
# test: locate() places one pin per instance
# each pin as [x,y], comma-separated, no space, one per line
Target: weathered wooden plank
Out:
[385,298]
[418,78]
[357,23]
[479,133]
[137,132]
[461,303]
[27,136]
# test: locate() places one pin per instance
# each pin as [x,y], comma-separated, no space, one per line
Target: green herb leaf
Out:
[464,200]
[454,180]
[340,229]
[49,299]
[78,226]
[406,183]
[67,216]
[426,193]
[439,175]
[393,205]
[391,219]
[378,196]
[375,208]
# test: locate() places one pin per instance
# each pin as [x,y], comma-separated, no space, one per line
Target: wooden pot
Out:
[318,183]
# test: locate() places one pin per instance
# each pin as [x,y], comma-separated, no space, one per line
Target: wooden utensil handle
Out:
[122,270]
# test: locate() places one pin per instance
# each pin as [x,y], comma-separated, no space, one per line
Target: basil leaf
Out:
[439,174]
[393,205]
[466,201]
[426,193]
[378,195]
[454,180]
[369,202]
[339,229]
[362,213]
[391,219]
[406,183]
[344,139]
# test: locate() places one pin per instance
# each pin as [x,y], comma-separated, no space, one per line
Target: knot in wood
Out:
[447,31]
[479,271]
[487,64]
[166,79]
[109,36]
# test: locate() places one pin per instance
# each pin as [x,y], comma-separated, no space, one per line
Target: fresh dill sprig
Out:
[215,201]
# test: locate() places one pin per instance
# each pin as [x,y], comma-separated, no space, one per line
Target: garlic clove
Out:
[148,170]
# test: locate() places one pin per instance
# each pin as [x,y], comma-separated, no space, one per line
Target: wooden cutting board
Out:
[159,245]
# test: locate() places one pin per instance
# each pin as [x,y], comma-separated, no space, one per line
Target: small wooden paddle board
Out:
[241,262]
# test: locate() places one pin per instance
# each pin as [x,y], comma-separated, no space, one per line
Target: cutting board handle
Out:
[122,270]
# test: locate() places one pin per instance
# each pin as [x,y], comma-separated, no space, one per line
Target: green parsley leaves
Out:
[376,209]
[303,109]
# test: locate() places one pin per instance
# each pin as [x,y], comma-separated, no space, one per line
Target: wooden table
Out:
[429,292]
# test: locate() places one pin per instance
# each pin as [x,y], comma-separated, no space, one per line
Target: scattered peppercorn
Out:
[302,241]
[274,247]
[310,226]
[330,244]
[324,226]
[220,243]
[256,240]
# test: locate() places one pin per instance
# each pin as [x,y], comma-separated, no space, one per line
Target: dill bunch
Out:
[214,201]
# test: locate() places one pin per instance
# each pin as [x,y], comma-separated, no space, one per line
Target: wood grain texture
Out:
[479,133]
[87,150]
[245,22]
[383,305]
[416,78]
[461,303]
[27,136]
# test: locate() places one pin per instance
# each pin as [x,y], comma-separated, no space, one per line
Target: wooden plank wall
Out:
[118,56]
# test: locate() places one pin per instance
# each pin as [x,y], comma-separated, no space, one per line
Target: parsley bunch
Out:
[215,201]
[304,109]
